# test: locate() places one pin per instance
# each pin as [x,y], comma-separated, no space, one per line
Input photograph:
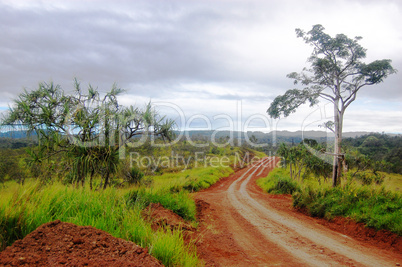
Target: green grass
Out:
[111,210]
[114,210]
[191,179]
[393,182]
[374,205]
[180,203]
[172,190]
[278,183]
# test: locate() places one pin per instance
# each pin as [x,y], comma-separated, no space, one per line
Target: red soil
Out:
[161,217]
[267,230]
[65,244]
[224,237]
[383,239]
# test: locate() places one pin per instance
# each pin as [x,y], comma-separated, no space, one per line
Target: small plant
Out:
[133,176]
[369,178]
[278,183]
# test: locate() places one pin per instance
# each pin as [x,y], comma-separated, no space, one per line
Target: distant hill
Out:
[278,136]
[16,134]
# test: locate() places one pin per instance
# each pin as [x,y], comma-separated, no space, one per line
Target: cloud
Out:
[202,55]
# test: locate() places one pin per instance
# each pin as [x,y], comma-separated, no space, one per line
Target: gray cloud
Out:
[165,49]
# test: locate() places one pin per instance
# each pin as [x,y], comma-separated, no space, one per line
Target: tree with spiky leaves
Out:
[336,74]
[88,129]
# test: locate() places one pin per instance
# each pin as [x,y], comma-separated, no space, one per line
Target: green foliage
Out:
[87,129]
[12,165]
[336,74]
[16,142]
[115,210]
[191,180]
[180,202]
[304,158]
[336,63]
[133,175]
[370,204]
[367,178]
[382,149]
[376,208]
[277,182]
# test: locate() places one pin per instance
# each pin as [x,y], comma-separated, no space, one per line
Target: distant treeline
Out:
[379,147]
[376,146]
[7,142]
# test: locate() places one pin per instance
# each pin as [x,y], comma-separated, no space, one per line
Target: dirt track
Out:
[243,226]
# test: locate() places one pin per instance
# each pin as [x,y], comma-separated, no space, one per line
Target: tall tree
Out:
[88,129]
[336,74]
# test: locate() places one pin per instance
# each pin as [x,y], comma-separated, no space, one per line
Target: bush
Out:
[285,186]
[278,183]
[180,202]
[133,176]
[369,178]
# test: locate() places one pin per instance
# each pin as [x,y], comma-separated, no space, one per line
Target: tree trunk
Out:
[107,174]
[91,178]
[290,166]
[337,165]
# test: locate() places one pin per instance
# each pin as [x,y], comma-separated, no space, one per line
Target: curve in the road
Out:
[308,245]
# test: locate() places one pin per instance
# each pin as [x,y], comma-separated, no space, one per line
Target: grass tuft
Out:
[278,183]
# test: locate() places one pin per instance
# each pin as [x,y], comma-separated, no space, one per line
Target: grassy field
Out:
[376,206]
[393,182]
[24,208]
[116,210]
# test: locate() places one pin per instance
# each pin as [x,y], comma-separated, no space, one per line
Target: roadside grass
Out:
[172,190]
[114,210]
[374,205]
[192,179]
[33,204]
[117,210]
[278,183]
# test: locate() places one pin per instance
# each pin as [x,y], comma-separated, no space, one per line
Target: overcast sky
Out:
[222,60]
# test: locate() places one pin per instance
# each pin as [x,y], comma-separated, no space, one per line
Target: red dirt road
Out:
[243,226]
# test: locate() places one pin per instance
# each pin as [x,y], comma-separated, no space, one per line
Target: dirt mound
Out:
[59,243]
[161,217]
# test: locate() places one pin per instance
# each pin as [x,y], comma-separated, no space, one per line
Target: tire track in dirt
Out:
[256,234]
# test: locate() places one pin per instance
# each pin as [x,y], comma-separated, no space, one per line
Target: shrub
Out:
[278,183]
[133,175]
[180,202]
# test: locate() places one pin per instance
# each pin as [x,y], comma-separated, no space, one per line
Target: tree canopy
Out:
[336,73]
[87,128]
